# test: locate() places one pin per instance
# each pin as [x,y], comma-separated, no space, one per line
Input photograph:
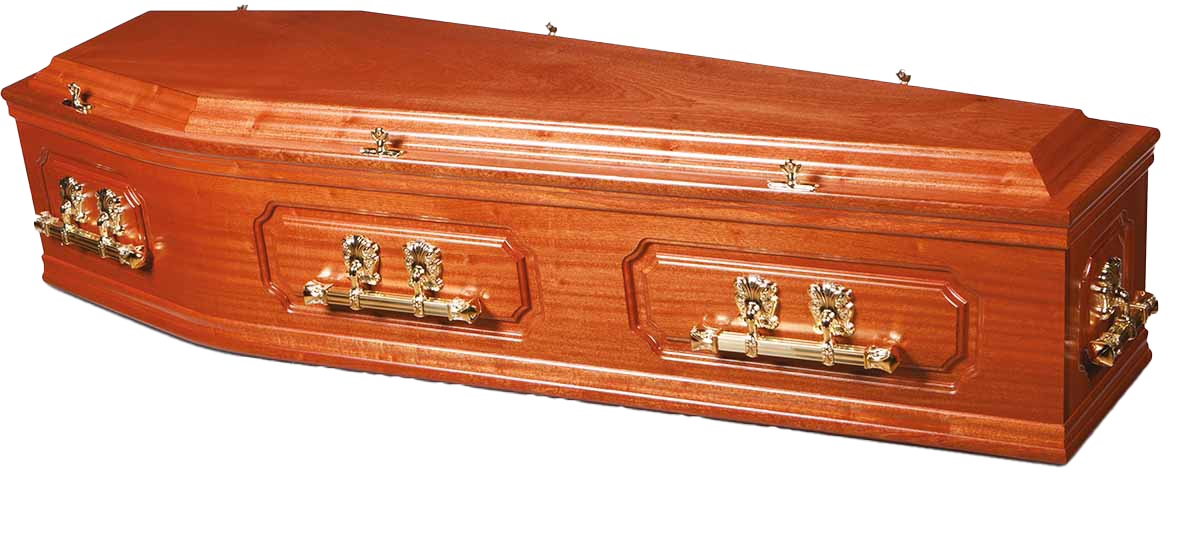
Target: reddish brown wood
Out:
[600,200]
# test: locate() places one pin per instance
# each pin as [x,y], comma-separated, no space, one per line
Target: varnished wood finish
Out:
[600,200]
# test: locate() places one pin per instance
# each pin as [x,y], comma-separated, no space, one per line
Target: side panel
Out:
[582,303]
[921,309]
[1117,231]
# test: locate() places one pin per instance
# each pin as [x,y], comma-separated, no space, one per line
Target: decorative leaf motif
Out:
[758,302]
[424,266]
[1108,288]
[110,213]
[72,196]
[831,306]
[361,259]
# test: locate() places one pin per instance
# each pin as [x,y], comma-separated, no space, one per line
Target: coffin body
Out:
[564,217]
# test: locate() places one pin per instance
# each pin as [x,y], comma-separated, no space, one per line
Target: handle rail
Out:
[831,306]
[106,244]
[424,267]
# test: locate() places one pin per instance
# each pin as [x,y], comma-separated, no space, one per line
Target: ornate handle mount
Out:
[424,268]
[110,224]
[831,306]
[1127,314]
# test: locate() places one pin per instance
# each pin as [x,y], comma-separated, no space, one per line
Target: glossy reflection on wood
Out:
[599,202]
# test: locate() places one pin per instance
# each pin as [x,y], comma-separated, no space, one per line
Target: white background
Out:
[180,451]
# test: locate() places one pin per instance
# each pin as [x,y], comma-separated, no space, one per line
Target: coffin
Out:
[540,214]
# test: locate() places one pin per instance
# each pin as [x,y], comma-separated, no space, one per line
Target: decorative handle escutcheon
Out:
[106,244]
[1127,314]
[831,306]
[424,268]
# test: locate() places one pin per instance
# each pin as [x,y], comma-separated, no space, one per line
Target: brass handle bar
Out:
[110,224]
[132,256]
[456,309]
[869,357]
[831,306]
[1127,313]
[424,266]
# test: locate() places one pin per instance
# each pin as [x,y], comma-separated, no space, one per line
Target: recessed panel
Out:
[479,262]
[920,311]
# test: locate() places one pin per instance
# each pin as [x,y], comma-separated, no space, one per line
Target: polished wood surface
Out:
[593,259]
[278,86]
[393,63]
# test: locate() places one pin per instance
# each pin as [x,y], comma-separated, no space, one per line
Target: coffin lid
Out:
[308,87]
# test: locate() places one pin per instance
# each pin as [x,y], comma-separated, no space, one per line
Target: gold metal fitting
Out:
[1127,314]
[75,101]
[110,221]
[381,138]
[791,171]
[72,209]
[424,270]
[72,215]
[831,306]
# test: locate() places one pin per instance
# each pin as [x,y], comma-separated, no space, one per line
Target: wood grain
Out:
[458,97]
[600,215]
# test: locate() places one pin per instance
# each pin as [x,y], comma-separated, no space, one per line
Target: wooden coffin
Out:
[576,219]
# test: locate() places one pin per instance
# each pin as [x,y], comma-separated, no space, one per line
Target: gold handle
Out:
[75,100]
[831,306]
[424,266]
[1127,314]
[110,224]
